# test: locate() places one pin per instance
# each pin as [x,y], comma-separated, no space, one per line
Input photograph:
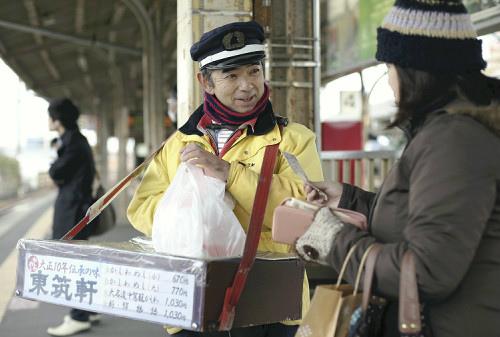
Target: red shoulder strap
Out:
[233,293]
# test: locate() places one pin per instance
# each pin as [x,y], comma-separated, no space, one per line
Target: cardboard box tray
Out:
[129,279]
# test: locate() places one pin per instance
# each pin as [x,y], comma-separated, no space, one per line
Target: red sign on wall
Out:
[341,136]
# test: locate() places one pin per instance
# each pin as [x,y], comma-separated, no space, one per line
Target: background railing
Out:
[366,169]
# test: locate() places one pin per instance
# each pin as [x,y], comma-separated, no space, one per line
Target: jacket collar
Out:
[488,115]
[412,126]
[265,122]
[67,135]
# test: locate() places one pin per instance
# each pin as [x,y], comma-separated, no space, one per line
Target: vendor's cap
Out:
[430,35]
[231,45]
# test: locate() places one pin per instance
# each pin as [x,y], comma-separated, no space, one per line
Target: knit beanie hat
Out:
[430,35]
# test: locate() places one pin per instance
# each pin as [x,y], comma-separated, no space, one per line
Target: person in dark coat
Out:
[73,172]
[441,200]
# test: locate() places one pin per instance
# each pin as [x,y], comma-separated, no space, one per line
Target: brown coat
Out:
[442,201]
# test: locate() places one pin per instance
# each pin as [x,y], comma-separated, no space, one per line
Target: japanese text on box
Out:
[143,293]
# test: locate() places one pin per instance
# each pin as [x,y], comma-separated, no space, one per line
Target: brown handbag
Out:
[412,315]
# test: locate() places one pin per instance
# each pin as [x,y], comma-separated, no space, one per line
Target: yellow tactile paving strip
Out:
[8,268]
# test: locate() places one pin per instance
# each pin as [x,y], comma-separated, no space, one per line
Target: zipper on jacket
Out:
[230,142]
[213,143]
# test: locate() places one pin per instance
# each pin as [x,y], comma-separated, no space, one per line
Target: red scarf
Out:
[219,113]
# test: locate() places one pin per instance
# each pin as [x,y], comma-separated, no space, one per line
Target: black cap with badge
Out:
[231,45]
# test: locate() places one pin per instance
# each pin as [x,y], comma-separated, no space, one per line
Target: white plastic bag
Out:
[193,218]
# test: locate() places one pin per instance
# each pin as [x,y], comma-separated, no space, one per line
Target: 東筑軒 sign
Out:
[142,293]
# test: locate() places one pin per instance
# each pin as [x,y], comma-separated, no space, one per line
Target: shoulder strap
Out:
[409,304]
[233,293]
[97,207]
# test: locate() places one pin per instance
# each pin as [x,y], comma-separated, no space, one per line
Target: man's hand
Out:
[212,165]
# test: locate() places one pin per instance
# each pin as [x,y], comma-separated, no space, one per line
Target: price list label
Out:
[143,293]
[152,294]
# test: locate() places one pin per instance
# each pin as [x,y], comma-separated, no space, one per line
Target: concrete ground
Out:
[19,317]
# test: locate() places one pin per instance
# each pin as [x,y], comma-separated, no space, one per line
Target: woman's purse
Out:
[412,315]
[293,217]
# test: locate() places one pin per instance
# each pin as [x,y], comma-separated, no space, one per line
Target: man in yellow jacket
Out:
[227,136]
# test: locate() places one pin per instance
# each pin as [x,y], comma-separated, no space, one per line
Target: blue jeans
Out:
[267,330]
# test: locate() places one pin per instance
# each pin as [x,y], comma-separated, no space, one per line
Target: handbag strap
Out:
[97,207]
[409,305]
[373,248]
[345,263]
[369,272]
[234,292]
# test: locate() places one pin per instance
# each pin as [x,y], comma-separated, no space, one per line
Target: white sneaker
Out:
[69,327]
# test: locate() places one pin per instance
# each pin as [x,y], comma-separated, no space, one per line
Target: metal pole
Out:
[69,38]
[317,72]
[151,75]
[101,111]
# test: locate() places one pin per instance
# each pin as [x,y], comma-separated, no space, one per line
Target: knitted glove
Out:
[317,241]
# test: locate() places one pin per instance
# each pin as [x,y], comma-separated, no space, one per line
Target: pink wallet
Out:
[293,217]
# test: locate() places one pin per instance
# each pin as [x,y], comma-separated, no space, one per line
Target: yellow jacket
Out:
[245,158]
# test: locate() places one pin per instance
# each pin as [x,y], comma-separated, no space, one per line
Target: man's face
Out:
[239,89]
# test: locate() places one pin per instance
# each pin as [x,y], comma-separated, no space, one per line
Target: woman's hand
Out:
[332,189]
[317,242]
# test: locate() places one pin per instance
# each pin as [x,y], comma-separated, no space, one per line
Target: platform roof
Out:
[75,48]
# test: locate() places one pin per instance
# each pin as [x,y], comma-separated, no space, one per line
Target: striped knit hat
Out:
[430,35]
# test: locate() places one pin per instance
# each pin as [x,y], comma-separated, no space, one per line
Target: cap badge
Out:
[233,40]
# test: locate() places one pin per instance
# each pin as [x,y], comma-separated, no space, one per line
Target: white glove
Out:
[316,243]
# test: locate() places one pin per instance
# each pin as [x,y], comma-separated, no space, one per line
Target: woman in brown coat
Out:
[442,198]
